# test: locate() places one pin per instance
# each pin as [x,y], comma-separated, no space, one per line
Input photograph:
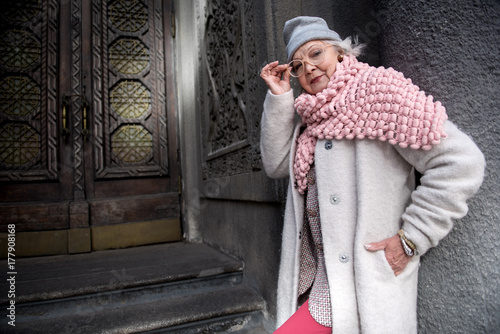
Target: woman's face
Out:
[315,77]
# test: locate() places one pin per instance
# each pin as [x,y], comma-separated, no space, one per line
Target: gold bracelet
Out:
[410,244]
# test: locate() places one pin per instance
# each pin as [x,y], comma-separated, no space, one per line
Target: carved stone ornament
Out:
[230,144]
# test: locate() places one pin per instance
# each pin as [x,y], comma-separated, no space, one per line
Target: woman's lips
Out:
[316,79]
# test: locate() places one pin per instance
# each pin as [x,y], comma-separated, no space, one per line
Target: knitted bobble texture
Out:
[362,101]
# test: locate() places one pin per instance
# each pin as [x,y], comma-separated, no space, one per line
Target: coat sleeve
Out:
[277,127]
[452,172]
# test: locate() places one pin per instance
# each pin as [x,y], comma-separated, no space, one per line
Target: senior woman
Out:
[355,224]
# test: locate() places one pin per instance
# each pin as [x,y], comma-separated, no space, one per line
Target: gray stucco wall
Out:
[451,49]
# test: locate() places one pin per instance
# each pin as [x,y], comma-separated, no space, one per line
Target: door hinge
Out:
[172,28]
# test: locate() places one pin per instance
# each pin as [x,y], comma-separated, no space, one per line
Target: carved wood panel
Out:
[230,117]
[128,93]
[129,102]
[76,104]
[28,90]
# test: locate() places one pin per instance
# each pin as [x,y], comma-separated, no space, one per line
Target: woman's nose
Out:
[308,67]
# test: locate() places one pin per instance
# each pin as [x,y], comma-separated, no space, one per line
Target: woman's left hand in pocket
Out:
[394,253]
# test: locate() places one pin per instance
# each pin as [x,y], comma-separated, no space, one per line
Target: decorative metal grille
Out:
[132,143]
[130,99]
[20,10]
[129,55]
[19,96]
[128,15]
[19,144]
[19,49]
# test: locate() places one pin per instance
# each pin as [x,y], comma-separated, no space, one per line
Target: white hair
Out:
[349,46]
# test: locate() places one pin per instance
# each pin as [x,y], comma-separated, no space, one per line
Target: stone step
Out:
[52,277]
[170,288]
[146,316]
[97,302]
[246,323]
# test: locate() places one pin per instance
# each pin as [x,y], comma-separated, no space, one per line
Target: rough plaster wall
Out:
[451,50]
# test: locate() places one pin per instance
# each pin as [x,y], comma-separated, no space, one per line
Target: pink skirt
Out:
[302,322]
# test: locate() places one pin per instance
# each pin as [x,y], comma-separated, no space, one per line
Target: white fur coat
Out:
[366,193]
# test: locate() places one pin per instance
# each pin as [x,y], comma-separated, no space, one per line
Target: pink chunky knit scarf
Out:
[362,101]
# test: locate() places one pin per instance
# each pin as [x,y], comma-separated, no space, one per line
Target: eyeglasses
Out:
[315,56]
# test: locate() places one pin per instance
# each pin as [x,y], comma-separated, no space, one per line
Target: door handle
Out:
[85,131]
[65,130]
[66,100]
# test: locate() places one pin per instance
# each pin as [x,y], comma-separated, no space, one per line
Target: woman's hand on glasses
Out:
[277,77]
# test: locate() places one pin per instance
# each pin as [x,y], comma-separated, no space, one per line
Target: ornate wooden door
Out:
[88,152]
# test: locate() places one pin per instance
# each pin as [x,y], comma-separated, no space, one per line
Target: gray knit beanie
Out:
[303,29]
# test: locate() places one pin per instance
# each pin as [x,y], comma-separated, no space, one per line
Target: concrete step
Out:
[170,288]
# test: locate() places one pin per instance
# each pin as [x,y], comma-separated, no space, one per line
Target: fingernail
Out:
[368,247]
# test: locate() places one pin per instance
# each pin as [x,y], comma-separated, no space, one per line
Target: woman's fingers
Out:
[375,246]
[273,69]
[276,77]
[394,253]
[286,75]
[280,69]
[266,70]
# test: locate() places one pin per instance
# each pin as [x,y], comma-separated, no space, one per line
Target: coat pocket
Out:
[382,264]
[385,270]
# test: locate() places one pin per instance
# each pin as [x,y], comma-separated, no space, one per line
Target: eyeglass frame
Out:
[290,68]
